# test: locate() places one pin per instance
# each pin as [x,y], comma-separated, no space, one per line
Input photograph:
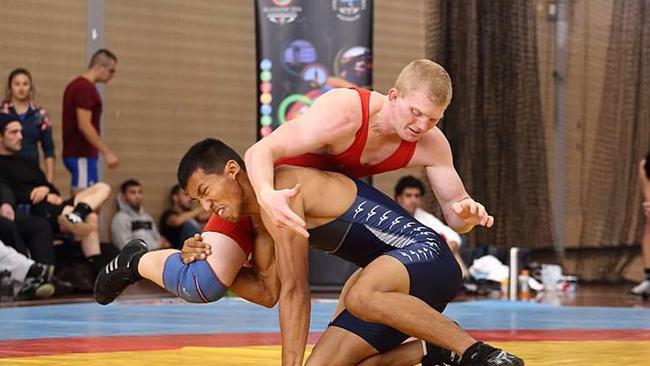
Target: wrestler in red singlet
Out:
[347,162]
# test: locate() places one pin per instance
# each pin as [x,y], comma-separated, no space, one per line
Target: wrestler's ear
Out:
[232,169]
[393,94]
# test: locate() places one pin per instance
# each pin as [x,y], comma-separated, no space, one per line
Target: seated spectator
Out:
[180,220]
[30,236]
[36,123]
[31,279]
[131,221]
[408,194]
[38,197]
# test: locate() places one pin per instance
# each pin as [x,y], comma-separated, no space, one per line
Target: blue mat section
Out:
[504,315]
[235,316]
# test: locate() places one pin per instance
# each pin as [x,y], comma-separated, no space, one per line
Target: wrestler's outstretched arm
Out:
[291,253]
[461,212]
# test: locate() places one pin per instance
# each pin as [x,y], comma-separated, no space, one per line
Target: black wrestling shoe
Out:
[482,354]
[120,272]
[438,356]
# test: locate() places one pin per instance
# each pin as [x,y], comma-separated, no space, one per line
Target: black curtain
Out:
[494,122]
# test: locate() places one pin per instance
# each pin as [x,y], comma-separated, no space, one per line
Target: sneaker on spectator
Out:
[37,282]
[641,289]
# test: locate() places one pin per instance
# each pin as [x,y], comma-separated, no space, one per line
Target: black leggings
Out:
[29,235]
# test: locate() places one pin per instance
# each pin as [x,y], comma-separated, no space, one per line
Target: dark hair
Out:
[100,56]
[210,155]
[12,75]
[646,166]
[174,191]
[408,181]
[5,120]
[128,184]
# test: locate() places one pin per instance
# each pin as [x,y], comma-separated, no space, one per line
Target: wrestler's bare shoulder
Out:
[342,98]
[433,148]
[343,101]
[324,194]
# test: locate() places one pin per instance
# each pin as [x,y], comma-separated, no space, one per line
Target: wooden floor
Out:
[585,295]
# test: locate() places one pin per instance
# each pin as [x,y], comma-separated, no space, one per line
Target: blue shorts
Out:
[436,282]
[83,170]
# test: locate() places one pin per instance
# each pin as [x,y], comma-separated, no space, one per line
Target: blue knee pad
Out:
[195,282]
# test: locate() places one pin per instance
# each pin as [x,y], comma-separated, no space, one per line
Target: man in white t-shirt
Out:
[408,193]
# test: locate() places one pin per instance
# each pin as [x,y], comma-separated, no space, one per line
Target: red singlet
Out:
[349,161]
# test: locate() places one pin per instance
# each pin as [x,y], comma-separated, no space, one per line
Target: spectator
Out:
[131,221]
[643,288]
[82,109]
[180,220]
[408,194]
[39,198]
[30,236]
[37,126]
[31,279]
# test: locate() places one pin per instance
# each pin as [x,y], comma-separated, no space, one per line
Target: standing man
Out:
[82,110]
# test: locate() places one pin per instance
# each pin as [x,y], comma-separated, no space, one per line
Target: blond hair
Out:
[425,76]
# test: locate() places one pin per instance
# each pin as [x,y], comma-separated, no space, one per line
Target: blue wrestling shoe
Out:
[120,272]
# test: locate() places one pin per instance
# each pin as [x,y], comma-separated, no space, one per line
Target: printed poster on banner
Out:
[306,48]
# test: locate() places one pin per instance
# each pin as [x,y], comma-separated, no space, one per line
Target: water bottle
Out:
[524,289]
[6,287]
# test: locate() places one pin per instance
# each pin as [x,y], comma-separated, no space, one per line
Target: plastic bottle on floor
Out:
[524,289]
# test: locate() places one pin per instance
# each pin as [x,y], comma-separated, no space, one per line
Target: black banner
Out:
[304,49]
